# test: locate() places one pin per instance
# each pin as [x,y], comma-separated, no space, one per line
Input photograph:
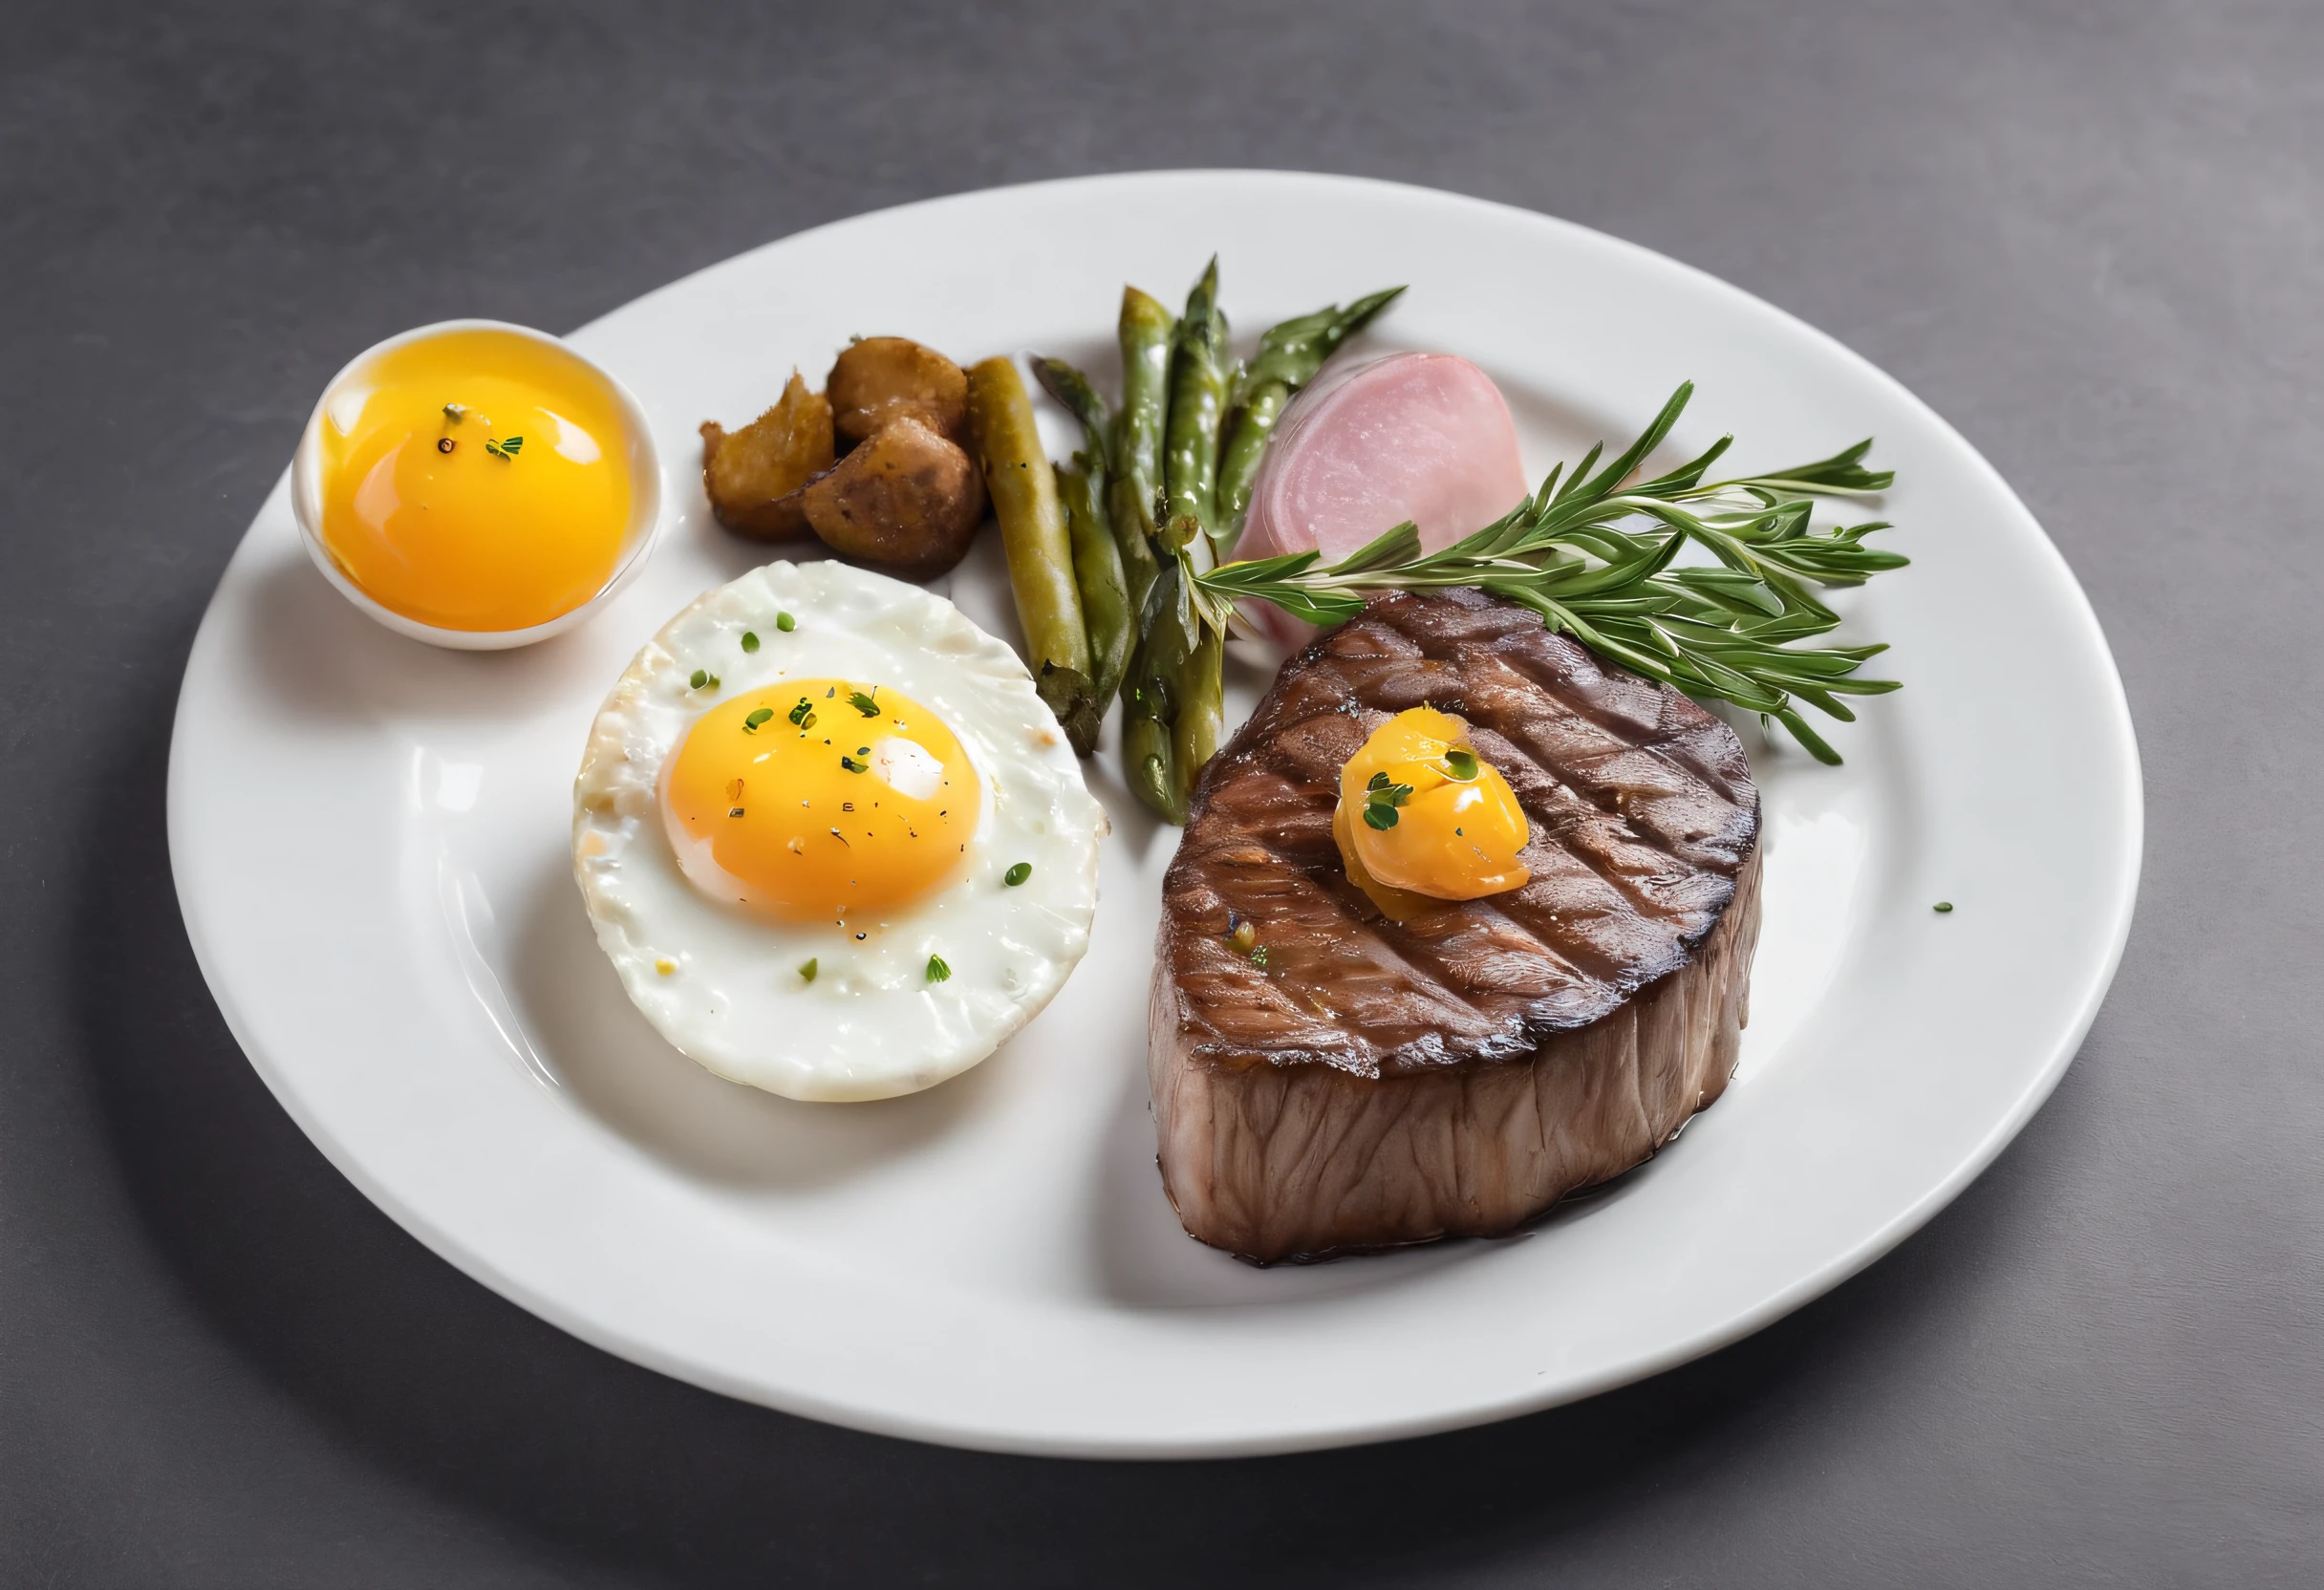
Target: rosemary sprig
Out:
[1592,552]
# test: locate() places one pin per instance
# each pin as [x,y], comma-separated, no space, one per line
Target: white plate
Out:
[369,837]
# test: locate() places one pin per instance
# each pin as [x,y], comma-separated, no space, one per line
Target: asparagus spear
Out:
[1174,709]
[1289,356]
[1149,759]
[1150,767]
[1146,331]
[1097,555]
[1130,443]
[1078,398]
[1097,573]
[1199,713]
[1198,402]
[1033,537]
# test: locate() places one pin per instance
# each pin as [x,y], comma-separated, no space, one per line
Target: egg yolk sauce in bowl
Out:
[476,485]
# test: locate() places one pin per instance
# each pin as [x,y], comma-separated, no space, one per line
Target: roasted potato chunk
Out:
[754,475]
[905,499]
[881,378]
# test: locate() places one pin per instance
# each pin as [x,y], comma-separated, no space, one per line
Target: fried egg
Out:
[835,844]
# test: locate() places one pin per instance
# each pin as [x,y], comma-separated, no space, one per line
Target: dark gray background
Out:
[2092,235]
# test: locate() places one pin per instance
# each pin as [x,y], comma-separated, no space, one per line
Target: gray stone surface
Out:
[2091,234]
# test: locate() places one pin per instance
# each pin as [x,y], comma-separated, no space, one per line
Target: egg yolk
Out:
[815,798]
[475,480]
[1421,818]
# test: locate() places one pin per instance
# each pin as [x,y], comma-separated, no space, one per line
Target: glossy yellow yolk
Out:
[1441,823]
[797,801]
[475,480]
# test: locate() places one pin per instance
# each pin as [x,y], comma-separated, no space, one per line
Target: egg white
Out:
[724,985]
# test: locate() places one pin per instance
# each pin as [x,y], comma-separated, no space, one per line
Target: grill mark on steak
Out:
[1575,837]
[1600,840]
[1622,889]
[1340,992]
[1620,745]
[1621,711]
[1307,748]
[1625,953]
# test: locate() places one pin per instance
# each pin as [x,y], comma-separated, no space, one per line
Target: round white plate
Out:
[369,837]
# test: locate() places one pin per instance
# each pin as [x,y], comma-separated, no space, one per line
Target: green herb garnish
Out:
[785,622]
[1944,906]
[1594,557]
[853,765]
[704,678]
[1381,799]
[807,971]
[1461,764]
[508,449]
[804,713]
[864,703]
[455,413]
[938,971]
[1018,873]
[750,640]
[750,724]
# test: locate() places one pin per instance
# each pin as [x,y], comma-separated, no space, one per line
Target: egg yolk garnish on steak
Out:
[1421,817]
[475,480]
[813,799]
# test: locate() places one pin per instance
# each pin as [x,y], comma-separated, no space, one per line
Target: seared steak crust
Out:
[1376,1084]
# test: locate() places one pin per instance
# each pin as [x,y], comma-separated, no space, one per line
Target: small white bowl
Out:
[637,541]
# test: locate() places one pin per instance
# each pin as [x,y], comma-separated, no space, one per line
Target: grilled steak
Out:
[1375,1084]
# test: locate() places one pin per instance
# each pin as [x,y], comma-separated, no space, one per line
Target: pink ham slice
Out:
[1425,436]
